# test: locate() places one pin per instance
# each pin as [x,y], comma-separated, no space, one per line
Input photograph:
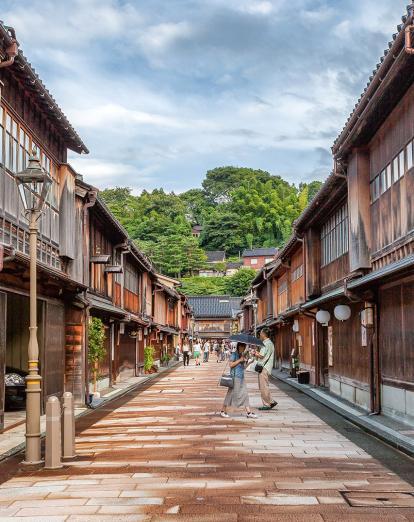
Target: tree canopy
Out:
[237,208]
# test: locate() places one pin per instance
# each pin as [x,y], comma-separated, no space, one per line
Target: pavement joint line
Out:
[359,419]
[21,447]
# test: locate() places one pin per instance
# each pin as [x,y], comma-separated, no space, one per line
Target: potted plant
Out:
[149,359]
[96,347]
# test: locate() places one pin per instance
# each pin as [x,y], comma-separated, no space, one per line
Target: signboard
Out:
[1,257]
[330,346]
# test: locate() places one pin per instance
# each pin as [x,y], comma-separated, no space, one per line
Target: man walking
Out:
[265,358]
[186,353]
[206,350]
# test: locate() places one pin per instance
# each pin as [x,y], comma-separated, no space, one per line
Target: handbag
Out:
[259,366]
[227,380]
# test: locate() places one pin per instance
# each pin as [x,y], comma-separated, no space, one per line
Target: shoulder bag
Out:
[227,380]
[259,366]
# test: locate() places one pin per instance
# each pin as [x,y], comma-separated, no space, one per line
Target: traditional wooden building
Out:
[31,121]
[345,282]
[215,317]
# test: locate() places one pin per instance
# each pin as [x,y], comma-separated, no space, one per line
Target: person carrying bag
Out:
[237,395]
[264,368]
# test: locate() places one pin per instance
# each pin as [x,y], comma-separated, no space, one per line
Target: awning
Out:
[100,303]
[386,271]
[338,292]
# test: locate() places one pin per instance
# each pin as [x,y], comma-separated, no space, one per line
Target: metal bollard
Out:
[68,428]
[53,434]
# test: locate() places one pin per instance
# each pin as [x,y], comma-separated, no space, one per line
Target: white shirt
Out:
[207,347]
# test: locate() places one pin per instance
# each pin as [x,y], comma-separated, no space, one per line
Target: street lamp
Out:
[34,184]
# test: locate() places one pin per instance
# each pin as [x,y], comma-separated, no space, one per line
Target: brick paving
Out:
[162,454]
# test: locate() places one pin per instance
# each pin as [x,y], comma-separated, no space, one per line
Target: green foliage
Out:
[237,207]
[236,285]
[203,285]
[148,357]
[96,338]
[239,283]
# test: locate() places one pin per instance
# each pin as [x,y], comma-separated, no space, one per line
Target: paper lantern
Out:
[323,317]
[342,312]
[295,327]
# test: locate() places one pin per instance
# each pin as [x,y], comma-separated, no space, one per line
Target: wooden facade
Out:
[357,250]
[87,264]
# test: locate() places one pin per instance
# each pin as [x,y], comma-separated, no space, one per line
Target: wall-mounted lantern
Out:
[342,312]
[323,317]
[295,326]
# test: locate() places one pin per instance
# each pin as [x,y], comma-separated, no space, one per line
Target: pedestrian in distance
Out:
[206,351]
[265,358]
[197,352]
[238,396]
[186,353]
[217,350]
[223,351]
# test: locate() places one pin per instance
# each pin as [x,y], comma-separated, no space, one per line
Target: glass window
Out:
[389,175]
[334,234]
[395,170]
[409,155]
[401,162]
[383,182]
[253,261]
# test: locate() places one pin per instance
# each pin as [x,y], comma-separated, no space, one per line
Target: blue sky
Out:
[163,90]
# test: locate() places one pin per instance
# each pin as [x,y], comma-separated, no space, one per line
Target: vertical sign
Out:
[330,346]
[364,340]
[1,257]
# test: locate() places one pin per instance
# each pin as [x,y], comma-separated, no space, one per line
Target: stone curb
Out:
[17,449]
[360,419]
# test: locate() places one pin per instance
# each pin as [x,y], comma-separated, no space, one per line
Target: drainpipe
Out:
[11,49]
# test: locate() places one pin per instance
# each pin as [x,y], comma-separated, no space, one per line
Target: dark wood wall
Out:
[350,358]
[396,333]
[3,304]
[54,359]
[335,272]
[393,213]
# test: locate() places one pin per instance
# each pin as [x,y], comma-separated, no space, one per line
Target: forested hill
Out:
[238,208]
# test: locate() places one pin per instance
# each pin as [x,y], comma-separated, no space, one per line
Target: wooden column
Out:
[312,247]
[359,211]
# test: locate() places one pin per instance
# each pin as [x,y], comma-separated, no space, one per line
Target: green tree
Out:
[96,346]
[203,285]
[239,283]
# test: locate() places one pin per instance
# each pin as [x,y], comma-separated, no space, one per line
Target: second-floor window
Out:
[297,273]
[334,236]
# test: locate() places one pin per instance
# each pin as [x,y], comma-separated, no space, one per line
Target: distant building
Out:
[256,258]
[233,267]
[215,317]
[196,230]
[214,257]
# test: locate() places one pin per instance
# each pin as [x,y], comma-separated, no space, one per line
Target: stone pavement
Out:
[161,454]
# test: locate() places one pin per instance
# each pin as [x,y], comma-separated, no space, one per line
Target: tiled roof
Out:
[214,256]
[25,69]
[217,306]
[376,77]
[260,252]
[235,264]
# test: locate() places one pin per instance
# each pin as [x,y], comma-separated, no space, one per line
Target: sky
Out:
[161,91]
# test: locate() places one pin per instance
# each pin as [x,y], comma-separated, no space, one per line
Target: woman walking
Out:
[238,396]
[197,352]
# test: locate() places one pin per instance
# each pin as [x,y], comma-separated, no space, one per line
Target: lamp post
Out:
[34,184]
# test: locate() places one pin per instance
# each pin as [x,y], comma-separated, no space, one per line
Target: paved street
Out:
[161,453]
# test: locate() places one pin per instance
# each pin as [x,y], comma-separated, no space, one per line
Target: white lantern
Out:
[295,327]
[342,312]
[323,317]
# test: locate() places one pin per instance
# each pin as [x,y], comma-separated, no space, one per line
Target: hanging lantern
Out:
[323,317]
[295,327]
[342,312]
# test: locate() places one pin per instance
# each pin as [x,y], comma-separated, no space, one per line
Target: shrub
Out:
[148,357]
